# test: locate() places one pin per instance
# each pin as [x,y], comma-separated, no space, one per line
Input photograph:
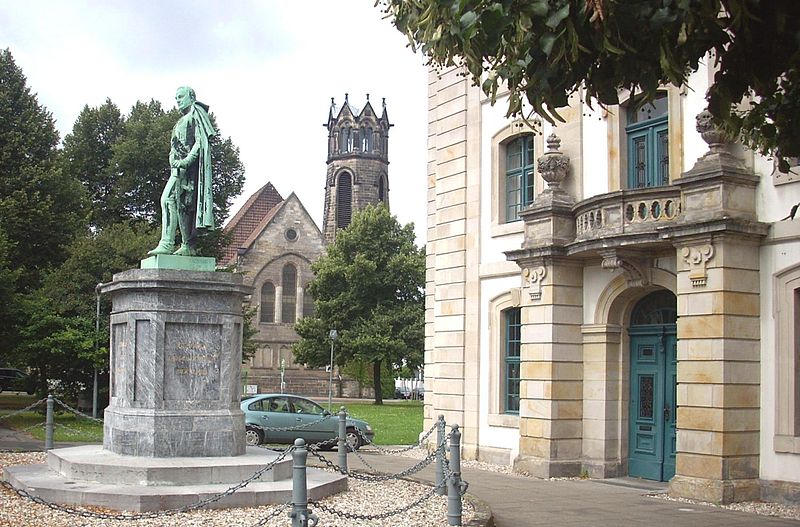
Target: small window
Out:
[291,235]
[381,189]
[519,176]
[366,139]
[512,339]
[289,296]
[267,303]
[345,140]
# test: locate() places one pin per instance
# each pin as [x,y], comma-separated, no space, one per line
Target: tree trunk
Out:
[376,381]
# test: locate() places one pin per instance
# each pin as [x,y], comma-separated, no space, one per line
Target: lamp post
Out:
[333,335]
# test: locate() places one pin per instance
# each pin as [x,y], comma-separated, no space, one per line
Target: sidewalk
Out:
[518,501]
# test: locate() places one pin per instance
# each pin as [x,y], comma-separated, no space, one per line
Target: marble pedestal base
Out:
[175,364]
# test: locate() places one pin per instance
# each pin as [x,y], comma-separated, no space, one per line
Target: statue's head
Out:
[185,97]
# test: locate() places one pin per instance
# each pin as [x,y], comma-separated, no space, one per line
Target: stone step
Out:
[43,482]
[94,463]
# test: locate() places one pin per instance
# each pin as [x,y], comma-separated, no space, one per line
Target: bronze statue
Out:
[187,202]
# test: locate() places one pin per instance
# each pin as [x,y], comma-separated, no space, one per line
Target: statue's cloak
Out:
[204,131]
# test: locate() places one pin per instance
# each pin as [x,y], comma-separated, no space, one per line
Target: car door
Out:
[308,416]
[273,415]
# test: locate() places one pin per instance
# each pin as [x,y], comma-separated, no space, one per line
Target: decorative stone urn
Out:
[553,165]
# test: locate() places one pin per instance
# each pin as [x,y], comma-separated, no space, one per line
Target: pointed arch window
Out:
[289,296]
[345,140]
[366,145]
[267,303]
[344,200]
[382,189]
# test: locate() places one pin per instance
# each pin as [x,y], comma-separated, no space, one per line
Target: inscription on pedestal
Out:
[192,361]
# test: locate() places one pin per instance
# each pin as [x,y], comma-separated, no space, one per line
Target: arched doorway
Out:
[653,380]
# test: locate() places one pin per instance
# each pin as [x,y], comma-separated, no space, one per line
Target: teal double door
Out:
[653,381]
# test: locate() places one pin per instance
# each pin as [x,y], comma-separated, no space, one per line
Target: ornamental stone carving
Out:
[553,164]
[637,270]
[534,276]
[697,258]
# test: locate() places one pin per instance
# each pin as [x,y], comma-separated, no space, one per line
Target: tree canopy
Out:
[545,50]
[368,287]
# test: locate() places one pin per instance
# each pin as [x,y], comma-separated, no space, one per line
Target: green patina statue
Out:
[187,203]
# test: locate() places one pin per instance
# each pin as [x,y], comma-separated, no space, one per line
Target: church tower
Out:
[358,163]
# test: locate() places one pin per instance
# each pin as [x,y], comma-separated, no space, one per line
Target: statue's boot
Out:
[168,227]
[185,250]
[162,248]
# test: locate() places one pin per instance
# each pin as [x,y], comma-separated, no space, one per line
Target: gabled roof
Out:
[274,212]
[248,218]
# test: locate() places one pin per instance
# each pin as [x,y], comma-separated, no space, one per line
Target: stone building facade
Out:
[617,295]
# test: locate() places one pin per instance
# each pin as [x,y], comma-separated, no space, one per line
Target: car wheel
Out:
[353,439]
[252,436]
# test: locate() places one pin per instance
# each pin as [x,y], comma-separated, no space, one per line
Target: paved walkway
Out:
[518,501]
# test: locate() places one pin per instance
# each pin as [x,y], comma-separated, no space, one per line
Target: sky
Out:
[267,69]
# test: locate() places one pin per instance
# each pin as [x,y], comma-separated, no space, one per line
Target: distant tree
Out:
[545,50]
[58,338]
[369,287]
[87,155]
[41,209]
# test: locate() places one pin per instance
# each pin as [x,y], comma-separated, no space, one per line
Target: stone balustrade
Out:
[626,211]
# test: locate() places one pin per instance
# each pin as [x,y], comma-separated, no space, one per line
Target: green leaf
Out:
[557,17]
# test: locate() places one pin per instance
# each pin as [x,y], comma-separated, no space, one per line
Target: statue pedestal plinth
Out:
[182,263]
[175,363]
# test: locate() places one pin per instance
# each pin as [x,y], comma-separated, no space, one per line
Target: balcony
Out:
[635,213]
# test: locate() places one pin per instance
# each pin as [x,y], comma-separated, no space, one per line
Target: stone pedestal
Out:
[175,363]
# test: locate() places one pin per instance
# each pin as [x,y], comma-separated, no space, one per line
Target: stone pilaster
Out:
[602,423]
[452,324]
[718,389]
[551,388]
[718,369]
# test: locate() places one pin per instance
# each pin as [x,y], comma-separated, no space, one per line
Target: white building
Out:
[639,318]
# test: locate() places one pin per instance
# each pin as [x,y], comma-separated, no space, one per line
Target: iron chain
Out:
[274,514]
[76,411]
[29,407]
[290,428]
[421,440]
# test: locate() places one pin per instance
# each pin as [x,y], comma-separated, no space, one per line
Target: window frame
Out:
[261,303]
[288,298]
[524,174]
[786,312]
[512,345]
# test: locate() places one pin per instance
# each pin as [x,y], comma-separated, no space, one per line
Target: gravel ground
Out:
[362,498]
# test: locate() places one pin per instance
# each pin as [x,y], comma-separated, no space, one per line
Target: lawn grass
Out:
[68,427]
[395,423]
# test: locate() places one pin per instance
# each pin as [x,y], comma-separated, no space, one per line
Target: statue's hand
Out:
[180,163]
